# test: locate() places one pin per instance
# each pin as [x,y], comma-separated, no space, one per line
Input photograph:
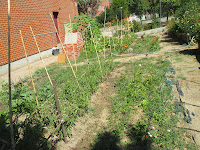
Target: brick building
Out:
[35,13]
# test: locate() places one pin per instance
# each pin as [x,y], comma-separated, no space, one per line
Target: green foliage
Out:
[169,7]
[136,27]
[188,19]
[147,44]
[110,16]
[127,40]
[114,10]
[138,7]
[116,7]
[144,84]
[147,26]
[83,6]
[83,22]
[74,102]
[171,26]
[155,23]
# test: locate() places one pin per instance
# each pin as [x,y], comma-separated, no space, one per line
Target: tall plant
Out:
[188,19]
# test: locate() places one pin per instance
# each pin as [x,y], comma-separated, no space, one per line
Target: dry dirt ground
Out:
[187,72]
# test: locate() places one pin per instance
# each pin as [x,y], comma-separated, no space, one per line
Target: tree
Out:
[115,10]
[188,19]
[88,6]
[170,6]
[138,7]
[117,4]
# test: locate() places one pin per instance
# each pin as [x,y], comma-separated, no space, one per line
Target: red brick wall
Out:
[35,13]
[77,47]
[102,5]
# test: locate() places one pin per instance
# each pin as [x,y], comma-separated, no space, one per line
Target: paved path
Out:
[164,19]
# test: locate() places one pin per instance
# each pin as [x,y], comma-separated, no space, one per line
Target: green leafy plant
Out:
[188,19]
[136,27]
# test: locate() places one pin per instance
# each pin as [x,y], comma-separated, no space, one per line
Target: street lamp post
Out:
[160,14]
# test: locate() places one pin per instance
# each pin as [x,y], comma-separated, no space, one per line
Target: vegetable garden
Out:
[142,86]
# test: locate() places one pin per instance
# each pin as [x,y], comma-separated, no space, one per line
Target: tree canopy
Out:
[88,6]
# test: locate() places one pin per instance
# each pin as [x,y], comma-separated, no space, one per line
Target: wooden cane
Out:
[29,68]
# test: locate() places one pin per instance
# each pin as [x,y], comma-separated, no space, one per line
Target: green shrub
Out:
[188,19]
[155,23]
[147,26]
[136,27]
[172,27]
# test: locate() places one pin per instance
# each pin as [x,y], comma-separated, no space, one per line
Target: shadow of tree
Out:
[28,135]
[195,52]
[173,40]
[110,141]
[106,141]
[139,141]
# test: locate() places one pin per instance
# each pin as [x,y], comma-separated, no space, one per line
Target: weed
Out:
[144,85]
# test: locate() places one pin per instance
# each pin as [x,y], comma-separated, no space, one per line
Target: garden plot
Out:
[132,108]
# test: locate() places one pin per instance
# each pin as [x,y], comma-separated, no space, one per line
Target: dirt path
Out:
[87,127]
[187,91]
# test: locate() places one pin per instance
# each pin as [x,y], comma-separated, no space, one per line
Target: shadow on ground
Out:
[195,52]
[106,141]
[110,141]
[28,135]
[139,140]
[172,40]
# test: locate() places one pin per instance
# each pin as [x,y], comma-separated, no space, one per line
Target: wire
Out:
[156,51]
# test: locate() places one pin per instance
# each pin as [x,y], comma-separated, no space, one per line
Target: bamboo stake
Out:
[72,42]
[29,68]
[59,112]
[117,29]
[86,56]
[9,82]
[104,34]
[41,56]
[96,51]
[85,49]
[65,51]
[128,27]
[109,38]
[113,41]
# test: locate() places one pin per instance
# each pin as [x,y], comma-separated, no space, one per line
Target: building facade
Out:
[34,13]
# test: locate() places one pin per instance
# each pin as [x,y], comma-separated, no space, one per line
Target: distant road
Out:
[164,19]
